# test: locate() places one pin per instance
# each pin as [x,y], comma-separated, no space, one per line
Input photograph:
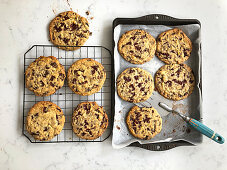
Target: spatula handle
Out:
[206,131]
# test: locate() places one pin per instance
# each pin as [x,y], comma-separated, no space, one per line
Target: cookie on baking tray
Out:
[173,46]
[69,29]
[135,85]
[89,120]
[137,46]
[175,81]
[44,76]
[45,120]
[86,76]
[144,122]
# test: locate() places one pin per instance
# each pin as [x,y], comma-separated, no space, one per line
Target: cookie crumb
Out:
[118,127]
[92,18]
[90,33]
[87,12]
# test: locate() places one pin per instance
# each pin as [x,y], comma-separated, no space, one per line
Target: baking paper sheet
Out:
[173,128]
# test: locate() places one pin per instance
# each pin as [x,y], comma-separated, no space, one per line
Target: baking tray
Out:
[64,97]
[158,19]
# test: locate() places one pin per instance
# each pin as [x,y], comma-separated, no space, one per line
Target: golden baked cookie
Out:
[86,76]
[173,46]
[69,29]
[44,76]
[137,46]
[175,81]
[144,123]
[45,120]
[89,120]
[135,85]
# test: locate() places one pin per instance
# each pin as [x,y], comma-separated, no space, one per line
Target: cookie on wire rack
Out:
[89,120]
[45,120]
[86,76]
[44,76]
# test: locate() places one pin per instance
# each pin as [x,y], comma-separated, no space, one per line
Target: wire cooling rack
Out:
[64,97]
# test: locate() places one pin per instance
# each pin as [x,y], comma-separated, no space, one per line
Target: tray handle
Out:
[157,17]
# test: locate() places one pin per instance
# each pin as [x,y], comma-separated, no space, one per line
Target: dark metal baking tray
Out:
[157,19]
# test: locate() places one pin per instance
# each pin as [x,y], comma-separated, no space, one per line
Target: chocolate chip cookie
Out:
[69,29]
[137,46]
[45,120]
[44,76]
[86,76]
[144,123]
[135,85]
[173,46]
[89,120]
[175,81]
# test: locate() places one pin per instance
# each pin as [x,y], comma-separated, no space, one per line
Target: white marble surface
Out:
[25,22]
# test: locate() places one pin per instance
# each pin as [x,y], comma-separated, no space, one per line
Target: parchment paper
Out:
[173,128]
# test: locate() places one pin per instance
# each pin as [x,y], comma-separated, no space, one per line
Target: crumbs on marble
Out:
[87,12]
[118,127]
[120,111]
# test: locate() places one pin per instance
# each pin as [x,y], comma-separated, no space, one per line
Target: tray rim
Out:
[159,19]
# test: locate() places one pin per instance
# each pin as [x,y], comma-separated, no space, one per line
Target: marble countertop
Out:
[24,23]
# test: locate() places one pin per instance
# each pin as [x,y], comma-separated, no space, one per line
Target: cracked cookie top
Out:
[137,46]
[135,85]
[86,76]
[45,120]
[175,81]
[69,29]
[89,120]
[173,46]
[144,122]
[44,76]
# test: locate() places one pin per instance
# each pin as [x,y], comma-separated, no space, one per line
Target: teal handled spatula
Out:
[196,125]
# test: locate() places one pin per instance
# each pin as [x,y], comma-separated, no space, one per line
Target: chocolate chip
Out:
[133,38]
[74,27]
[47,67]
[191,81]
[142,89]
[59,109]
[36,114]
[86,107]
[45,128]
[147,119]
[140,84]
[45,73]
[45,110]
[52,78]
[137,56]
[66,17]
[42,83]
[138,48]
[128,43]
[132,86]
[85,122]
[52,84]
[97,116]
[58,29]
[66,40]
[127,79]
[54,65]
[74,81]
[169,83]
[83,134]
[136,77]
